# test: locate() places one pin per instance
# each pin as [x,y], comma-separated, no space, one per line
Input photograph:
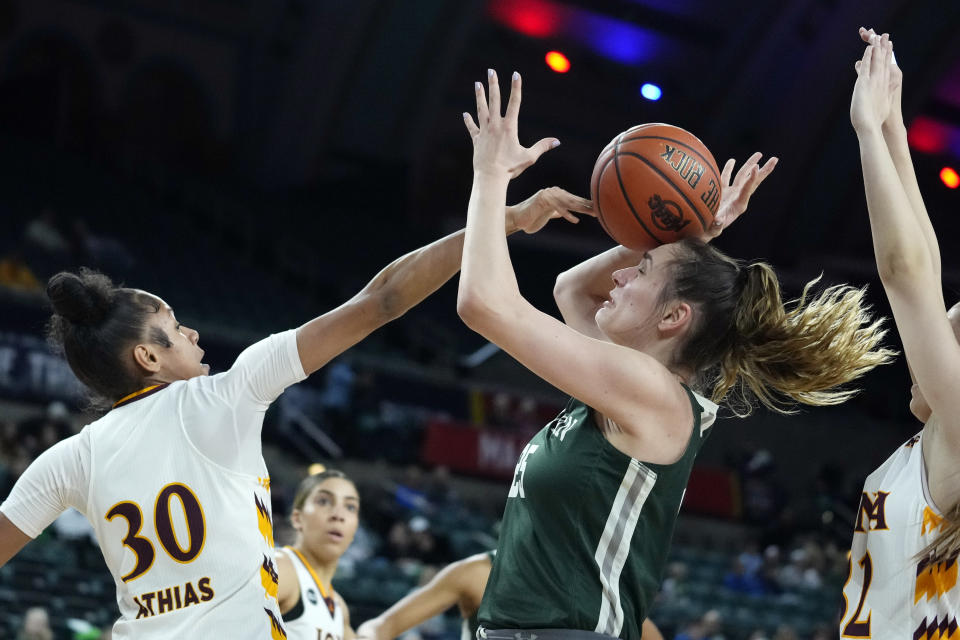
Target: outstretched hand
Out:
[872,93]
[545,205]
[734,196]
[496,147]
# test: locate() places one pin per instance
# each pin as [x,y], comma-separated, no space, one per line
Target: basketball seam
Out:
[707,165]
[597,203]
[668,181]
[623,190]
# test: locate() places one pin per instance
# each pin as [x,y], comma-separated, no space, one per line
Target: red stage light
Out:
[557,61]
[535,18]
[950,177]
[927,135]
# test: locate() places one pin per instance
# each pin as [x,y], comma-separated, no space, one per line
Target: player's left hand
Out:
[734,196]
[496,147]
[545,205]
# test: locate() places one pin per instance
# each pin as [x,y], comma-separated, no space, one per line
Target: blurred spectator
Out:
[801,571]
[16,274]
[750,558]
[708,627]
[674,585]
[43,234]
[739,580]
[824,632]
[785,632]
[762,496]
[36,625]
[102,252]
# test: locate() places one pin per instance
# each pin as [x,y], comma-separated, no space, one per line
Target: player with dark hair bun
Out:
[172,478]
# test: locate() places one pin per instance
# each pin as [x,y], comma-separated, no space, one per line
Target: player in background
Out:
[462,584]
[172,478]
[595,496]
[325,515]
[903,566]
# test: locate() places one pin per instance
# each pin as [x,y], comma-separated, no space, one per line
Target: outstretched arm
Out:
[461,581]
[405,282]
[12,539]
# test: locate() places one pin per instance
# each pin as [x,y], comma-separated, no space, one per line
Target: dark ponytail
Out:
[95,324]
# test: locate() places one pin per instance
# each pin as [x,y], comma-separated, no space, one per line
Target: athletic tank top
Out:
[468,630]
[311,618]
[889,592]
[586,529]
[181,535]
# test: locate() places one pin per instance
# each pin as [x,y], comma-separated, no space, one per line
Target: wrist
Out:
[894,126]
[510,222]
[866,131]
[491,174]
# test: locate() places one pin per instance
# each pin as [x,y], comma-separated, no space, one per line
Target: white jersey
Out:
[889,593]
[311,618]
[175,486]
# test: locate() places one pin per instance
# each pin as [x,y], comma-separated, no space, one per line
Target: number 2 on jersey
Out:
[857,628]
[163,523]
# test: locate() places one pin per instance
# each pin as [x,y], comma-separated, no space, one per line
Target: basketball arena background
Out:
[255,162]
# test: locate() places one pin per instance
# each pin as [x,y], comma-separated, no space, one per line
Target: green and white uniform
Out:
[586,529]
[469,629]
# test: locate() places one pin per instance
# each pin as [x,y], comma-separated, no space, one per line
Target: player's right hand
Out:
[545,205]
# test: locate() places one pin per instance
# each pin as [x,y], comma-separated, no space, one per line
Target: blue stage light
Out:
[650,91]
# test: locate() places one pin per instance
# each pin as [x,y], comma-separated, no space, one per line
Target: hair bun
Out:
[83,299]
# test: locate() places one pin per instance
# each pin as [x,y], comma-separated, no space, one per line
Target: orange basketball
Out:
[655,184]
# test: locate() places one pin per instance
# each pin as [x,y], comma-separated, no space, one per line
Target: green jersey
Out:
[586,529]
[468,631]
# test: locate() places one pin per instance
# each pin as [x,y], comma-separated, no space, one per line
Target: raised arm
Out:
[460,583]
[630,387]
[895,135]
[909,275]
[406,281]
[579,292]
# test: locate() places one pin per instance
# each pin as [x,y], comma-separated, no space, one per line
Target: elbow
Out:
[902,267]
[472,309]
[561,288]
[477,312]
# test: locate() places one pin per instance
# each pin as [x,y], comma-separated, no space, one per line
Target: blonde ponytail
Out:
[747,344]
[803,351]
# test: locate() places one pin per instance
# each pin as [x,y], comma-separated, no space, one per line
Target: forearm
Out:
[487,277]
[899,243]
[592,277]
[409,279]
[895,135]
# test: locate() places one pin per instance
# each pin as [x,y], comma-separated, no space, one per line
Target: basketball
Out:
[655,184]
